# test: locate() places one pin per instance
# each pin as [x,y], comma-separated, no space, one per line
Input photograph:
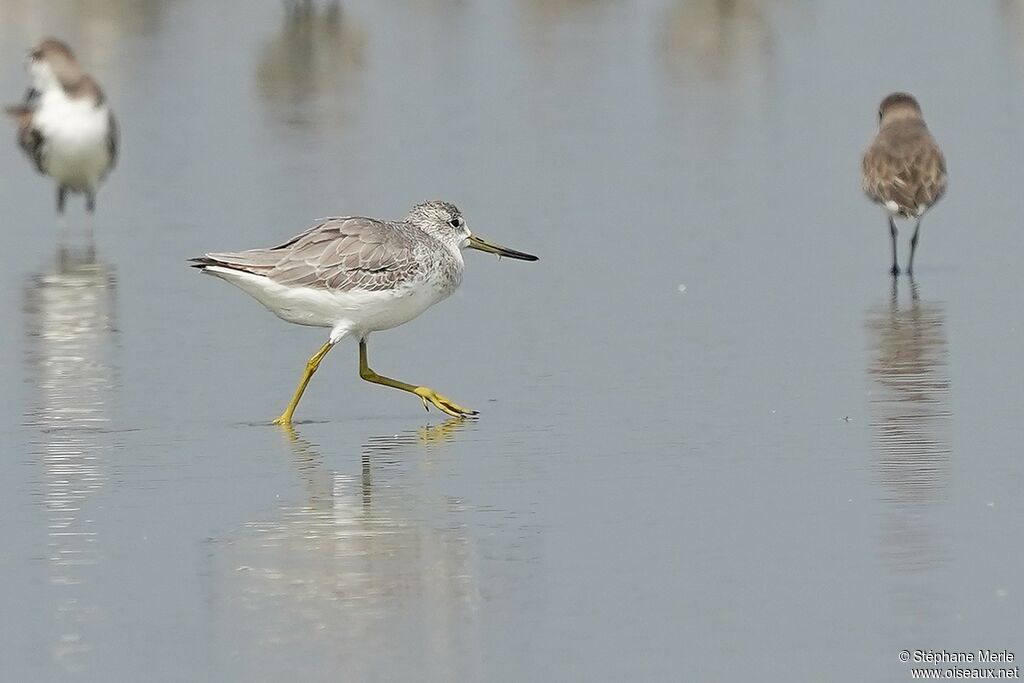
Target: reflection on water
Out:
[97,29]
[1012,15]
[911,401]
[542,13]
[716,40]
[306,74]
[70,332]
[565,32]
[364,562]
[910,418]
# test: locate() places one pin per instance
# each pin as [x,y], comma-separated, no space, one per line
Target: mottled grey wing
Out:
[345,254]
[341,254]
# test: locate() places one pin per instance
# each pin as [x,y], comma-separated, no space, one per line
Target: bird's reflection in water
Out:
[70,340]
[910,416]
[541,13]
[566,33]
[92,26]
[365,561]
[1012,15]
[308,71]
[716,40]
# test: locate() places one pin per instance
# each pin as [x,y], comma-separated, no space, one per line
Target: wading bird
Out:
[357,276]
[65,125]
[903,168]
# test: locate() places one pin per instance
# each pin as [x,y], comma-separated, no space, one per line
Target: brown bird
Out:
[65,125]
[904,169]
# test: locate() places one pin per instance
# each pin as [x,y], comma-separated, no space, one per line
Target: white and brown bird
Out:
[65,124]
[903,168]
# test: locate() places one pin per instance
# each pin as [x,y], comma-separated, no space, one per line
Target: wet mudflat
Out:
[716,441]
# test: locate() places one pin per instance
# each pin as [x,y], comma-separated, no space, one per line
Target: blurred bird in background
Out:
[903,168]
[65,125]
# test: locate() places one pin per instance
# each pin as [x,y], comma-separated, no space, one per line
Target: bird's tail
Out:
[203,262]
[253,261]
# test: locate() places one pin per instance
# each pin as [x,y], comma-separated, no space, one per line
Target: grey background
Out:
[778,473]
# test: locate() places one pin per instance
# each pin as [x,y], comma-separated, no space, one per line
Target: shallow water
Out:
[715,442]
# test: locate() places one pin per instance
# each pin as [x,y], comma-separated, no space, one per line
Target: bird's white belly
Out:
[357,311]
[75,149]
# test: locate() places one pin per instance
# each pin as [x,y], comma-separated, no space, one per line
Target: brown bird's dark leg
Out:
[90,219]
[892,231]
[62,221]
[913,248]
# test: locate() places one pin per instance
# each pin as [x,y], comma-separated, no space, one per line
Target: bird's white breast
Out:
[75,133]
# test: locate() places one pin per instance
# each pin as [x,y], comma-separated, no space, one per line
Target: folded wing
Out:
[29,138]
[913,176]
[340,254]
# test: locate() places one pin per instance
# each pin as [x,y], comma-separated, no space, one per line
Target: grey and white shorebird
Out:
[357,276]
[65,124]
[903,168]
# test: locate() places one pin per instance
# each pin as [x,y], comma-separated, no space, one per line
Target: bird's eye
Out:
[456,222]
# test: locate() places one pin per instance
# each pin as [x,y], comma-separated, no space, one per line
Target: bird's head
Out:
[444,221]
[899,106]
[52,64]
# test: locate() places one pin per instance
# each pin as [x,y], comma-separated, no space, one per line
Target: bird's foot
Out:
[895,270]
[445,405]
[284,421]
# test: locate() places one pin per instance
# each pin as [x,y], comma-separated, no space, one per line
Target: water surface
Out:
[716,443]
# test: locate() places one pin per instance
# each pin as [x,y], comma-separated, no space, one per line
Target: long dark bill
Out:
[483,245]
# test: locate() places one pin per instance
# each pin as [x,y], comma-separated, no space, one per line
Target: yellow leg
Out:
[443,404]
[311,366]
